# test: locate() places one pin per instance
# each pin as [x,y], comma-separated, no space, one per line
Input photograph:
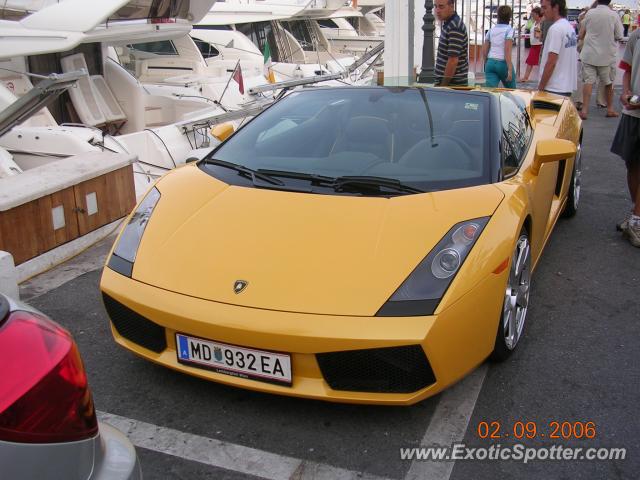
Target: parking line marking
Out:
[449,424]
[228,456]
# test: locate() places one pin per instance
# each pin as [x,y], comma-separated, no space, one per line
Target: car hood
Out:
[298,252]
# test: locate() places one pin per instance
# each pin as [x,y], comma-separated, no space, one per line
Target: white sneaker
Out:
[623,225]
[633,232]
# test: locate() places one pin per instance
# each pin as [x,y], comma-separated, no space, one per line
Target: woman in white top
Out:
[497,52]
[533,59]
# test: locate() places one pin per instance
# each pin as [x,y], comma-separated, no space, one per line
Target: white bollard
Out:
[8,276]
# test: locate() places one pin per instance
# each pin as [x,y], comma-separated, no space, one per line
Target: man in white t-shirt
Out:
[559,63]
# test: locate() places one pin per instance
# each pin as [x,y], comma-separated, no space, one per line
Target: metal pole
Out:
[484,14]
[427,71]
[515,41]
[475,43]
[229,81]
[519,41]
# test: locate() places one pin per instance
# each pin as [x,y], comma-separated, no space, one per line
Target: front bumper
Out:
[455,341]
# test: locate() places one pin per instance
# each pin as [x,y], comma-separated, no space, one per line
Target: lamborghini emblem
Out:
[239,286]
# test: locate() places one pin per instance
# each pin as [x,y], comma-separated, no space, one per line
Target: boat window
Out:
[327,23]
[161,47]
[206,49]
[353,21]
[152,9]
[302,33]
[260,33]
[212,27]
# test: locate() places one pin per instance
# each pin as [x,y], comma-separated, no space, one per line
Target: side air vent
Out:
[544,105]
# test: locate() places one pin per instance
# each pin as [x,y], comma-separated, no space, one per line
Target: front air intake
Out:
[381,370]
[135,327]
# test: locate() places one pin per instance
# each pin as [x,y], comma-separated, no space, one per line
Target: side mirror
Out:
[552,150]
[222,131]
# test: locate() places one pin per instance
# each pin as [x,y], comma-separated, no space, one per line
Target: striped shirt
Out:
[453,43]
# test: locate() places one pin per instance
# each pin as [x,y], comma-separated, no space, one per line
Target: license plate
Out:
[272,367]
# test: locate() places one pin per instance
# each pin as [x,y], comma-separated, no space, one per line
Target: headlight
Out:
[124,255]
[421,292]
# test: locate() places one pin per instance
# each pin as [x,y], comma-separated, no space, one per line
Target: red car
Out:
[48,425]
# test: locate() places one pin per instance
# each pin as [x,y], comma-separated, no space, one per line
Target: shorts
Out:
[533,58]
[593,73]
[626,142]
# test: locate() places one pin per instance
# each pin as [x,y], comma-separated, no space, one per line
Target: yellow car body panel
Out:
[455,340]
[319,267]
[291,246]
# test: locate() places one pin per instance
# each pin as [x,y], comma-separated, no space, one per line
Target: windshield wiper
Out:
[426,104]
[312,177]
[380,182]
[349,180]
[253,174]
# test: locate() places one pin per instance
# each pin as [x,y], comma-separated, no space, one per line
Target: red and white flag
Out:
[237,76]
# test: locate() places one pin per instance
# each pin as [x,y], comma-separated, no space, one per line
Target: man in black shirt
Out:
[452,65]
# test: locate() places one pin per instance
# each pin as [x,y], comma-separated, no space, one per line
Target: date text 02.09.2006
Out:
[554,429]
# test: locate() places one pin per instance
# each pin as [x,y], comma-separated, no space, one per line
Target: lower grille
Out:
[381,370]
[135,327]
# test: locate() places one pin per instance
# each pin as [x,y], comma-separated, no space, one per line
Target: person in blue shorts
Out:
[497,49]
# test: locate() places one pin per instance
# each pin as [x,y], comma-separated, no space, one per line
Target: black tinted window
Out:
[516,132]
[328,23]
[206,49]
[260,33]
[300,30]
[433,139]
[162,47]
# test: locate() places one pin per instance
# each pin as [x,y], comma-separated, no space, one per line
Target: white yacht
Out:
[109,110]
[352,30]
[297,44]
[80,137]
[229,43]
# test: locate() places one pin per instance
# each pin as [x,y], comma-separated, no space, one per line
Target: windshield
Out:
[431,139]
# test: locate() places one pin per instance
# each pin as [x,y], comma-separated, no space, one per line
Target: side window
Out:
[328,23]
[516,133]
[206,49]
[162,47]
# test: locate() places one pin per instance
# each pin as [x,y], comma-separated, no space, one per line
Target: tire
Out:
[516,301]
[573,197]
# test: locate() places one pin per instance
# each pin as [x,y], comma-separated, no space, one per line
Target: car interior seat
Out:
[365,134]
[441,154]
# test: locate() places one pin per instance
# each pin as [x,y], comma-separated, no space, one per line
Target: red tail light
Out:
[44,396]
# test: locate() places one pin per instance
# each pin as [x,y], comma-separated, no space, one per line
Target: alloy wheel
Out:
[577,177]
[516,299]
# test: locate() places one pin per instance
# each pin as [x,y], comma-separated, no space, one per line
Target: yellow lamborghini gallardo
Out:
[364,245]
